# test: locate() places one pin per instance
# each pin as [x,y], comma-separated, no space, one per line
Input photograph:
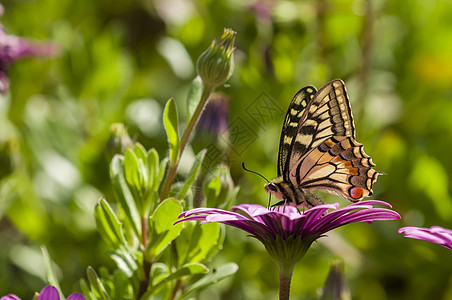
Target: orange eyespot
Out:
[356,192]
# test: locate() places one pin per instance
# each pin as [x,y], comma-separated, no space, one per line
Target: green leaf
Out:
[162,169]
[176,188]
[193,174]
[125,262]
[194,96]
[50,273]
[216,275]
[203,239]
[96,285]
[137,175]
[139,257]
[218,245]
[170,121]
[154,172]
[184,242]
[153,167]
[161,227]
[226,205]
[186,270]
[212,190]
[86,291]
[123,193]
[228,192]
[123,288]
[140,151]
[108,225]
[199,243]
[159,272]
[131,167]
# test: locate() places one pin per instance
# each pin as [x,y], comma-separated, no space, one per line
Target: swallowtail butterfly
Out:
[317,149]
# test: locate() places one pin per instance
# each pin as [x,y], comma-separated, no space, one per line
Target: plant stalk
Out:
[285,277]
[144,232]
[207,90]
[176,289]
[143,285]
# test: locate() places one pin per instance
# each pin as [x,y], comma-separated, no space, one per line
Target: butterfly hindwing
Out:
[327,114]
[338,165]
[289,129]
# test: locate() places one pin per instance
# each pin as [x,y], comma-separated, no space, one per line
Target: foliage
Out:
[121,60]
[156,258]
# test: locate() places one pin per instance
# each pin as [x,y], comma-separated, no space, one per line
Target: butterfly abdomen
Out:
[292,194]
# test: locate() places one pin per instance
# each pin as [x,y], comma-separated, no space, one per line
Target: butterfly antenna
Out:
[243,166]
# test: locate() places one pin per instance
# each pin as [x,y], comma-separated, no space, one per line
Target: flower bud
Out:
[215,65]
[119,140]
[335,287]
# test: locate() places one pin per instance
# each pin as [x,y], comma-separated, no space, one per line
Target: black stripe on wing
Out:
[296,108]
[328,114]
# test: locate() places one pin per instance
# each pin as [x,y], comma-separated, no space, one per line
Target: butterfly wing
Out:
[289,130]
[327,114]
[338,165]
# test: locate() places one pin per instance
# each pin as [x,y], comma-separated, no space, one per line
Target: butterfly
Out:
[318,150]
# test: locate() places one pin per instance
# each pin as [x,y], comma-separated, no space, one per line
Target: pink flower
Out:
[48,293]
[286,232]
[434,234]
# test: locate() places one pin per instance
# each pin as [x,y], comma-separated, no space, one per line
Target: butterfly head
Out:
[274,189]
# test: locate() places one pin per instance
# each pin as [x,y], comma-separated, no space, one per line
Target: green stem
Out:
[285,276]
[169,180]
[144,283]
[207,90]
[176,289]
[144,232]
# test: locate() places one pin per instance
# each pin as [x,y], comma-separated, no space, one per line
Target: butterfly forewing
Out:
[327,114]
[338,165]
[291,121]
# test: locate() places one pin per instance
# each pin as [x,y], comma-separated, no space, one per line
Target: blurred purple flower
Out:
[214,118]
[48,293]
[262,9]
[10,297]
[287,233]
[13,48]
[435,234]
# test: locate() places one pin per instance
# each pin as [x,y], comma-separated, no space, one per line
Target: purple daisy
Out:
[47,293]
[435,234]
[13,48]
[288,233]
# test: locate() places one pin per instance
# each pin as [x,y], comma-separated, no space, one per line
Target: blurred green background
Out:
[120,62]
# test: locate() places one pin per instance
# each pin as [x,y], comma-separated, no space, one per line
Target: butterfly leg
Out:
[282,202]
[269,201]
